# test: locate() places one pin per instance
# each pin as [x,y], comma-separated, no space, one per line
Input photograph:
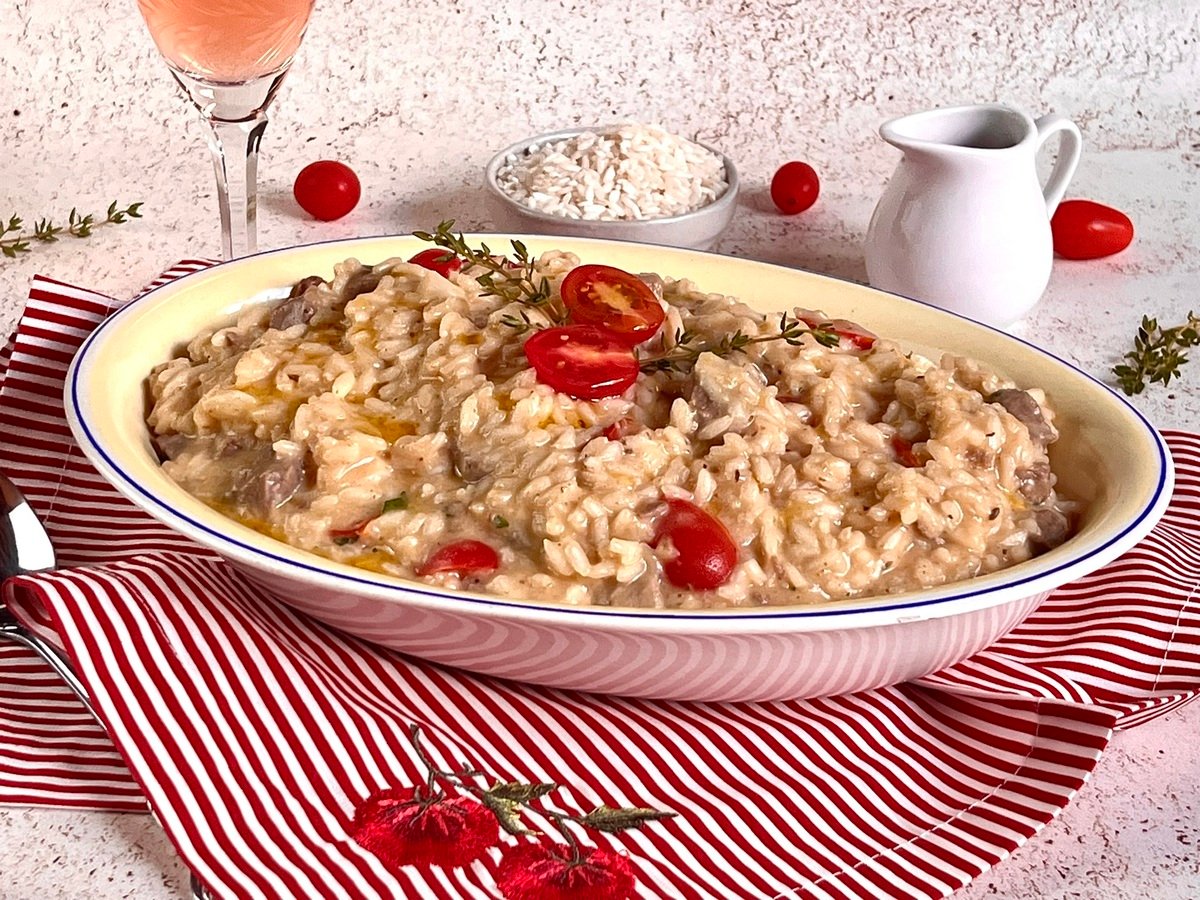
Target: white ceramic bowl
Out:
[1108,455]
[698,229]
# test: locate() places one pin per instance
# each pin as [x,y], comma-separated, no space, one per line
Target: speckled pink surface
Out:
[417,96]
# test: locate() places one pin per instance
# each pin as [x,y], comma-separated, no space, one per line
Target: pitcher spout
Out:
[990,127]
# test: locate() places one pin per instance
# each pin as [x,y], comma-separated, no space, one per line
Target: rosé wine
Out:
[227,41]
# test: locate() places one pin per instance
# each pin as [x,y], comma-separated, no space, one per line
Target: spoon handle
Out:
[15,631]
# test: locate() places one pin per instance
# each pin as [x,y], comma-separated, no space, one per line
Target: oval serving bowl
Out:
[1108,455]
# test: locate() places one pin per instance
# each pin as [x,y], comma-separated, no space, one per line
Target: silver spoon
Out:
[25,547]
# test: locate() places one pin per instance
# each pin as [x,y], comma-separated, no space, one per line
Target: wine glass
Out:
[230,56]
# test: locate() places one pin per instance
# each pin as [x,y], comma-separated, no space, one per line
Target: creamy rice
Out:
[389,412]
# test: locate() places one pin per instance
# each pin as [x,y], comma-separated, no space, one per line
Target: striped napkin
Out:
[287,760]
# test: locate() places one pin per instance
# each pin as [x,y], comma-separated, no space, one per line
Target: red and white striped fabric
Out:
[255,733]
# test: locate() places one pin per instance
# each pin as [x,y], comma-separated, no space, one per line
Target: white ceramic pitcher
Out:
[964,223]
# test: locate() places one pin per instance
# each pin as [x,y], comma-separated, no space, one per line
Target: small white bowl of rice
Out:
[626,182]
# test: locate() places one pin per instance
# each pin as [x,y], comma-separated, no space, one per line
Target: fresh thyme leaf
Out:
[1157,354]
[14,240]
[499,521]
[398,502]
[514,280]
[686,351]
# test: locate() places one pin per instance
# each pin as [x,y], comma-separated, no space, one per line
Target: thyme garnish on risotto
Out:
[686,351]
[517,280]
[514,280]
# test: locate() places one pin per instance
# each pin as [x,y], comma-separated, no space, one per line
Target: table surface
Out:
[90,117]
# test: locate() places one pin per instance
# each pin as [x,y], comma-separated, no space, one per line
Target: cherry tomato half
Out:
[582,361]
[795,187]
[463,557]
[705,554]
[327,190]
[441,261]
[1083,229]
[614,300]
[849,332]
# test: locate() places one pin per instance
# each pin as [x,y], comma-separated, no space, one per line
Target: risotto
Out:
[550,431]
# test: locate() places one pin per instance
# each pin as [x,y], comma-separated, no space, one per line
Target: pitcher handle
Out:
[1069,150]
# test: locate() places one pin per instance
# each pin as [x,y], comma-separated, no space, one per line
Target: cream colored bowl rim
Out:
[89,400]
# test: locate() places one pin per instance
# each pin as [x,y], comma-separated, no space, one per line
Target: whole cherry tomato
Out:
[1083,229]
[327,190]
[614,300]
[441,261]
[463,557]
[582,361]
[705,554]
[795,187]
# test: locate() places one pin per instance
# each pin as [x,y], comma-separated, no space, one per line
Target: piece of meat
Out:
[297,310]
[270,481]
[169,446]
[363,281]
[1025,409]
[724,395]
[1053,528]
[1035,482]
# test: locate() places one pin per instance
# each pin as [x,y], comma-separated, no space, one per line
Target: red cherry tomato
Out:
[614,300]
[441,261]
[463,557]
[1086,230]
[850,332]
[795,187]
[582,361]
[327,190]
[705,554]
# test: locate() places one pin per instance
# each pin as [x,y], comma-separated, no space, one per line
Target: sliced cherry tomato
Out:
[795,187]
[463,557]
[582,361]
[1083,229]
[327,189]
[705,554]
[618,429]
[614,300]
[439,260]
[850,332]
[904,452]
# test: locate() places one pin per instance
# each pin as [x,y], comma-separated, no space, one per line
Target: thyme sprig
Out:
[514,280]
[687,349]
[14,239]
[510,800]
[1157,354]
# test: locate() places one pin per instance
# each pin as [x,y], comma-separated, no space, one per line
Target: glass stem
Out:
[234,148]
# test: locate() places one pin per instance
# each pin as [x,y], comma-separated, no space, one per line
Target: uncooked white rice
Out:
[630,172]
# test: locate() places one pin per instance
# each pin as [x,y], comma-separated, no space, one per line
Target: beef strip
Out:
[1035,482]
[299,307]
[1025,409]
[1053,528]
[270,481]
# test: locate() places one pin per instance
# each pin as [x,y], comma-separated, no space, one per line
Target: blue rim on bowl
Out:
[946,600]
